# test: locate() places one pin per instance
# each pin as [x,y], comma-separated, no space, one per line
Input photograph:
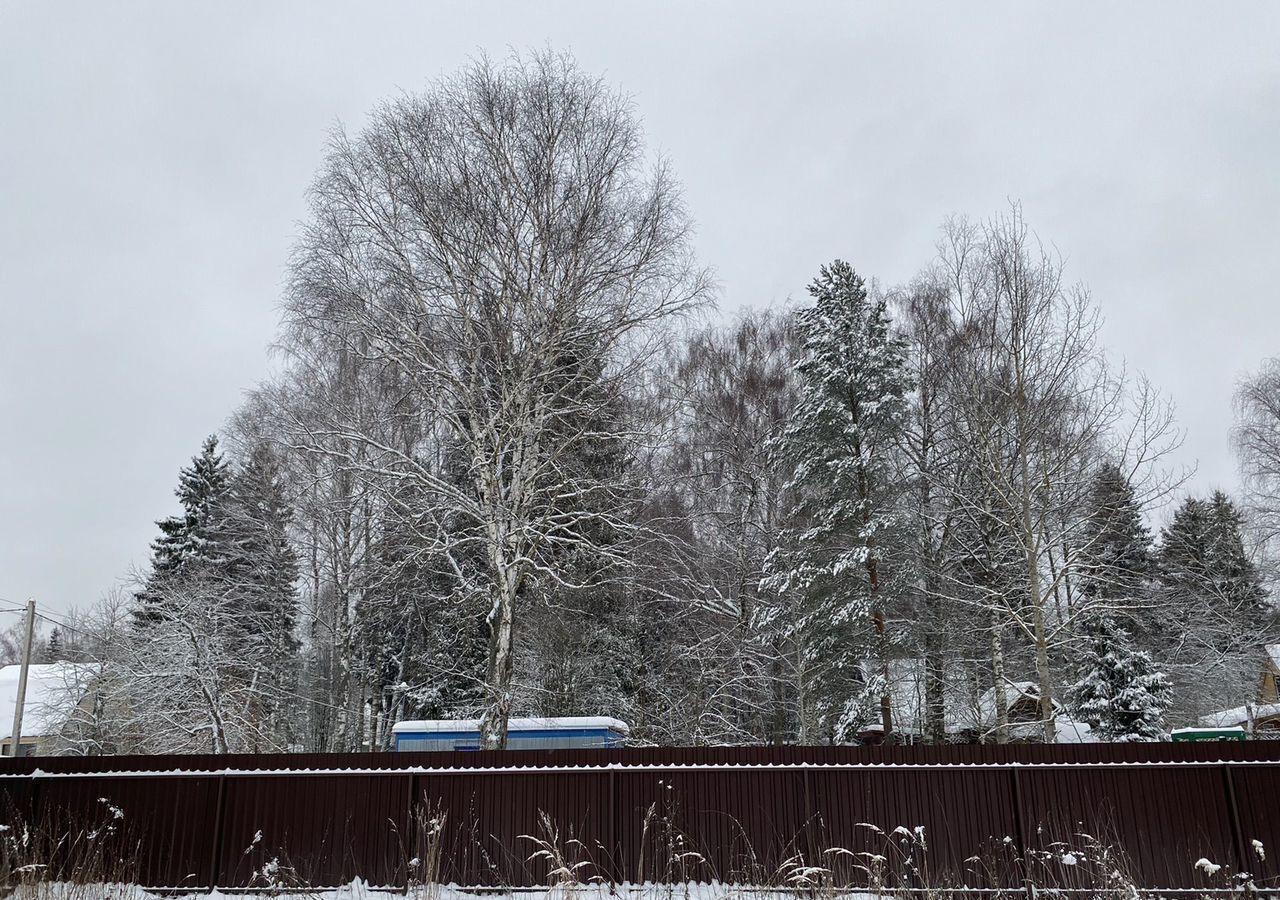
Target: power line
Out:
[48,618]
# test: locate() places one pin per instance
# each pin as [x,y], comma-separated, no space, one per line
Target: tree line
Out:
[513,465]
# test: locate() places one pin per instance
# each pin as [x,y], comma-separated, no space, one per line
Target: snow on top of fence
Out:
[633,767]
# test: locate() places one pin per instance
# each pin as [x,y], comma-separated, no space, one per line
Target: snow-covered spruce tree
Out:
[848,417]
[222,595]
[1202,556]
[256,555]
[257,566]
[1215,618]
[1231,567]
[1120,691]
[588,605]
[1116,544]
[187,541]
[421,635]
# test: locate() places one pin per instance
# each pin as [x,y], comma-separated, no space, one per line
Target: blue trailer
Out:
[522,734]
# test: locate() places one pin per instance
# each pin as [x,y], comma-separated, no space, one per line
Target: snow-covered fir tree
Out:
[1214,615]
[258,569]
[1120,691]
[221,604]
[1202,554]
[1232,569]
[421,634]
[1116,559]
[255,557]
[188,541]
[554,677]
[841,441]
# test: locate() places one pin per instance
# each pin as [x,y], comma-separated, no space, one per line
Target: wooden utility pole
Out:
[22,679]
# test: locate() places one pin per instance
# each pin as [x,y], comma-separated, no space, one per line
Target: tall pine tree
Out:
[848,418]
[255,558]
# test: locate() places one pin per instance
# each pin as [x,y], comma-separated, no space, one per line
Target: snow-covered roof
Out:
[53,690]
[1226,718]
[1014,691]
[1069,731]
[1233,731]
[518,724]
[963,712]
[1273,653]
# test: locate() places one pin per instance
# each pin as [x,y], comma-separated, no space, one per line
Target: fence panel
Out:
[945,816]
[733,814]
[328,828]
[162,827]
[736,826]
[496,826]
[1164,818]
[1257,794]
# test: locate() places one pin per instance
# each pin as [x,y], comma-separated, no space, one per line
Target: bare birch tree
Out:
[938,457]
[734,389]
[499,247]
[1041,408]
[1256,436]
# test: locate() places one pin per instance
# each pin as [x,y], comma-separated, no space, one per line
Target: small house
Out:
[1022,702]
[1269,689]
[54,692]
[970,712]
[1260,719]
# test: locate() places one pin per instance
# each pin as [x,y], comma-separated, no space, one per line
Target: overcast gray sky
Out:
[153,162]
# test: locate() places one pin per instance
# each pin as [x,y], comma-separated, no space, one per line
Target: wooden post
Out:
[614,854]
[22,680]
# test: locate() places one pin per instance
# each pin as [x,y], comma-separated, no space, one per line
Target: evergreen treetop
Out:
[188,542]
[256,561]
[1117,555]
[851,408]
[1202,555]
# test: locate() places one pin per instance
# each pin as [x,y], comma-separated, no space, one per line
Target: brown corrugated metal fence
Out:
[661,814]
